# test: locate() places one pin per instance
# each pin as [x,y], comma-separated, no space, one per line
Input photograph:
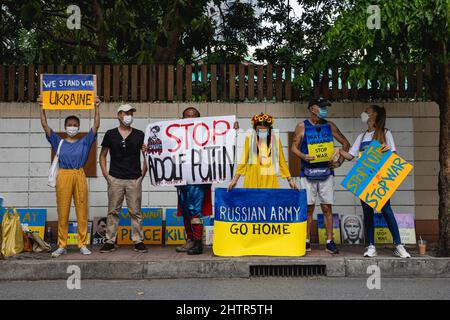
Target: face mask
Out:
[127,120]
[364,117]
[323,112]
[72,131]
[262,134]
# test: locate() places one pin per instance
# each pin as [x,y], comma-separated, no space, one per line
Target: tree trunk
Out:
[444,161]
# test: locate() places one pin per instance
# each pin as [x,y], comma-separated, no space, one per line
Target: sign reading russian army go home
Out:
[267,222]
[376,175]
[68,91]
[320,142]
[193,151]
[151,226]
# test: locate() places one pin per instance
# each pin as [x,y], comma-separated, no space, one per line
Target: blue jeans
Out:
[388,215]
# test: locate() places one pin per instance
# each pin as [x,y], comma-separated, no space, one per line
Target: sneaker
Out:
[107,247]
[401,252]
[370,252]
[85,251]
[331,248]
[308,246]
[58,252]
[140,247]
[185,247]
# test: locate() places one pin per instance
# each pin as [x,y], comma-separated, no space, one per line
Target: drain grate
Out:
[287,270]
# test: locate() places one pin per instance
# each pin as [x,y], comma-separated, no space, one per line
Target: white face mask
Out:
[127,120]
[364,117]
[72,131]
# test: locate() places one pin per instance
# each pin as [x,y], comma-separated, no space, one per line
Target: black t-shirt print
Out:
[125,154]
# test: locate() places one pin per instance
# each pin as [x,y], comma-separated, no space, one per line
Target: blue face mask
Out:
[323,113]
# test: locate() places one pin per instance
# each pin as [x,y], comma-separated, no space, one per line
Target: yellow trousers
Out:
[72,182]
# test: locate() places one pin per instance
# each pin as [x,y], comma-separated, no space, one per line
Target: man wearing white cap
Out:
[124,178]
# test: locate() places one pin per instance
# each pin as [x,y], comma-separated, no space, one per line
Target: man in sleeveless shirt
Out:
[318,177]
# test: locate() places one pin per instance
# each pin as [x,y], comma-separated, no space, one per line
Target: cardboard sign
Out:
[406,226]
[72,236]
[376,175]
[352,229]
[320,142]
[32,218]
[175,233]
[191,151]
[151,226]
[323,232]
[267,222]
[68,91]
[208,231]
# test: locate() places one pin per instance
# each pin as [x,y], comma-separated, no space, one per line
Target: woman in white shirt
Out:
[375,117]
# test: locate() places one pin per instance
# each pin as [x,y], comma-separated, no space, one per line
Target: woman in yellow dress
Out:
[263,157]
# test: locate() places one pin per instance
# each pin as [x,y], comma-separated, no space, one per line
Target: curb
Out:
[217,268]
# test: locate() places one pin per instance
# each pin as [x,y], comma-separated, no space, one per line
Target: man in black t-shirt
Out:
[124,145]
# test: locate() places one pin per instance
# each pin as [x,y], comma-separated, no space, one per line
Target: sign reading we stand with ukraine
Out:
[68,91]
[268,222]
[376,175]
[320,142]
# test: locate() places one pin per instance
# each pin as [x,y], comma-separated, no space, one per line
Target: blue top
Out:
[304,149]
[73,155]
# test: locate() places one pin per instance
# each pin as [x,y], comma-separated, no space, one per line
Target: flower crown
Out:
[263,118]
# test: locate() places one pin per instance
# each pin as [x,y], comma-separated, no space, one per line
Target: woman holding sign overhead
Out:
[375,117]
[71,181]
[263,157]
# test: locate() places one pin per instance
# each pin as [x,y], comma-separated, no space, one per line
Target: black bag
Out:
[317,173]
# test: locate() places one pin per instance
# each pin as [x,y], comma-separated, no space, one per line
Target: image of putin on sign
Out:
[352,229]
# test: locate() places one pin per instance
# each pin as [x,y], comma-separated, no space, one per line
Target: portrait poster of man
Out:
[352,229]
[99,236]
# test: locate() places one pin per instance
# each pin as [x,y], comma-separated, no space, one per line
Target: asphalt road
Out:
[235,289]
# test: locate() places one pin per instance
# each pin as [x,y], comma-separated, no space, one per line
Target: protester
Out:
[263,157]
[125,176]
[71,180]
[194,200]
[318,178]
[375,117]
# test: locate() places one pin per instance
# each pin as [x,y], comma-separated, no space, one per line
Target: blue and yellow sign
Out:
[32,218]
[72,235]
[320,142]
[376,175]
[265,222]
[175,233]
[323,232]
[68,91]
[151,226]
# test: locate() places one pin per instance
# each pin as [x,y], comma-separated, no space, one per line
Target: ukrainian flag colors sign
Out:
[320,142]
[376,175]
[151,226]
[68,91]
[33,219]
[264,222]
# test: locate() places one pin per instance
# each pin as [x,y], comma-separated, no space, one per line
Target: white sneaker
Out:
[58,252]
[370,252]
[85,251]
[401,252]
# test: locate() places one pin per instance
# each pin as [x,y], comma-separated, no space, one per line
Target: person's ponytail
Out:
[380,123]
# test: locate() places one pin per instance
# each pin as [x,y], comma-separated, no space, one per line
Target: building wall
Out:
[25,153]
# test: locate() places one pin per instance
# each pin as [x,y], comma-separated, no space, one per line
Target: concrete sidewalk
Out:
[163,262]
